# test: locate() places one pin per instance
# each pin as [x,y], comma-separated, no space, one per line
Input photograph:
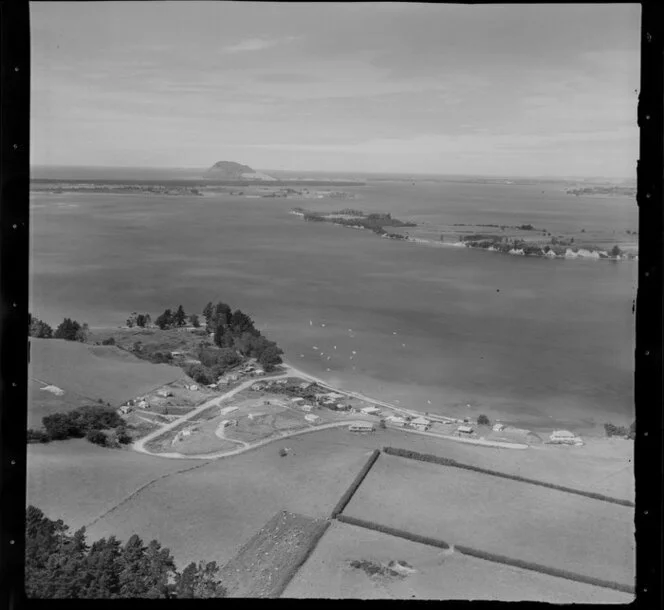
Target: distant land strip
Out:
[435,459]
[195,183]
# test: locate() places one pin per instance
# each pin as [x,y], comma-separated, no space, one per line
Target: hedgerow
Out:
[435,459]
[370,525]
[345,499]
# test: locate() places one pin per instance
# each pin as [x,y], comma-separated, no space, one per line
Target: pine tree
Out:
[180,317]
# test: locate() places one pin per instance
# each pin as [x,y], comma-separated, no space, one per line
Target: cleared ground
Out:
[495,515]
[77,481]
[210,512]
[95,372]
[438,575]
[266,563]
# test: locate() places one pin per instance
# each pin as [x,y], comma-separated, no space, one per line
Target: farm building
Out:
[143,404]
[420,423]
[124,409]
[227,410]
[342,407]
[297,399]
[258,372]
[397,421]
[498,427]
[565,437]
[307,408]
[310,417]
[361,427]
[464,431]
[371,410]
[164,393]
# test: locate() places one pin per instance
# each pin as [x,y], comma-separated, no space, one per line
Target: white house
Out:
[164,393]
[124,409]
[297,399]
[421,423]
[193,387]
[498,427]
[143,404]
[305,384]
[310,417]
[565,437]
[371,410]
[464,431]
[307,408]
[257,387]
[361,427]
[397,421]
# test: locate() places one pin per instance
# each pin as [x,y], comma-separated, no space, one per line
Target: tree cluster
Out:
[98,424]
[613,430]
[63,565]
[170,319]
[38,328]
[71,330]
[139,319]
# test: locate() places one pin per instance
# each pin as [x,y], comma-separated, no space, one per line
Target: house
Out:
[464,431]
[320,396]
[564,437]
[361,427]
[227,423]
[212,385]
[176,354]
[259,372]
[310,417]
[334,395]
[124,409]
[257,387]
[164,393]
[420,423]
[498,427]
[371,410]
[297,399]
[307,408]
[304,385]
[143,404]
[193,387]
[396,421]
[342,407]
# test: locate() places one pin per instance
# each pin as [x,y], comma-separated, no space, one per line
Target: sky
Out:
[539,90]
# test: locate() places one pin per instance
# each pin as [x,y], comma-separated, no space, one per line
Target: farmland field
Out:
[77,481]
[264,565]
[96,372]
[326,574]
[509,518]
[210,512]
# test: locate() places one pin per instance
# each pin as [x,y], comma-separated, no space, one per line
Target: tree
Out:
[615,251]
[219,333]
[165,320]
[270,358]
[38,328]
[37,436]
[59,426]
[68,330]
[199,581]
[97,437]
[200,374]
[240,323]
[483,420]
[194,321]
[180,317]
[631,433]
[208,311]
[141,320]
[109,341]
[82,333]
[382,425]
[222,313]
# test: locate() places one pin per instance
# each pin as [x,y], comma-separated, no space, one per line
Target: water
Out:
[535,342]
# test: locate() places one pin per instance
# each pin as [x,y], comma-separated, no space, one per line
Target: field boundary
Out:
[288,577]
[443,461]
[392,531]
[348,494]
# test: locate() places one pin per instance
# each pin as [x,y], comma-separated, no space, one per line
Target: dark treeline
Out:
[99,424]
[63,565]
[68,329]
[373,222]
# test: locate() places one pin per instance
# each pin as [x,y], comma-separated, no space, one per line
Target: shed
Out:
[124,409]
[498,427]
[361,427]
[297,399]
[421,423]
[464,430]
[371,410]
[310,417]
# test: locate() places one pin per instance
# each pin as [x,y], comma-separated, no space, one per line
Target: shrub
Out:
[612,430]
[109,341]
[200,374]
[38,436]
[283,452]
[483,420]
[97,437]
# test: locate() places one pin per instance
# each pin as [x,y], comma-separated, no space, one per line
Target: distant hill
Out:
[229,170]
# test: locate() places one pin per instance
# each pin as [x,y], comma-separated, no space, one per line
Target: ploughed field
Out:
[437,574]
[514,519]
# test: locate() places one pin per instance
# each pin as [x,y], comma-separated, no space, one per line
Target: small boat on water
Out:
[314,347]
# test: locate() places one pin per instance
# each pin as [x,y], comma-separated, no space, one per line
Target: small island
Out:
[357,219]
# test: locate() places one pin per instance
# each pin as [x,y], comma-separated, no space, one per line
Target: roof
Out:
[563,433]
[370,409]
[464,429]
[420,420]
[363,424]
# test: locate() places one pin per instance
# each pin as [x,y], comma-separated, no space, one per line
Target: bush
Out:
[283,452]
[97,437]
[441,544]
[38,436]
[109,341]
[483,420]
[200,374]
[612,430]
